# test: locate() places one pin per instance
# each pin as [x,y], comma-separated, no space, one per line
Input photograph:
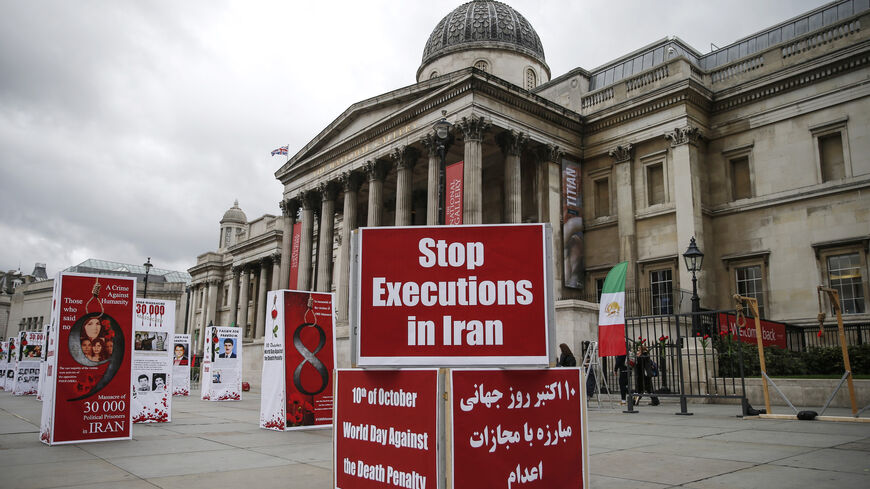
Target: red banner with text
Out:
[386,429]
[454,295]
[772,333]
[453,193]
[92,384]
[527,428]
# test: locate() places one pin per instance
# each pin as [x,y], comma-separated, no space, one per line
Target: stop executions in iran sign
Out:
[453,295]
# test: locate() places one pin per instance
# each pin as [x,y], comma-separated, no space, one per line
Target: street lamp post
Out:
[147,266]
[694,259]
[443,139]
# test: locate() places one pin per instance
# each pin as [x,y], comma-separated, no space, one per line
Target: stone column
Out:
[261,299]
[212,301]
[473,129]
[328,192]
[191,310]
[433,181]
[376,171]
[687,197]
[276,271]
[289,207]
[405,157]
[512,144]
[550,172]
[234,296]
[243,299]
[350,182]
[308,201]
[622,183]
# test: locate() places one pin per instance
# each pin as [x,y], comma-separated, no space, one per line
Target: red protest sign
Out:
[386,428]
[89,397]
[453,295]
[772,333]
[527,427]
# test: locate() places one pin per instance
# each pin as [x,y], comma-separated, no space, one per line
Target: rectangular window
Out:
[661,286]
[831,157]
[741,185]
[602,197]
[226,295]
[844,275]
[599,286]
[655,181]
[749,283]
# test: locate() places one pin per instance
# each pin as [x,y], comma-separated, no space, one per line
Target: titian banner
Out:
[772,333]
[452,295]
[152,361]
[181,365]
[87,397]
[572,225]
[453,193]
[298,361]
[386,429]
[518,429]
[294,256]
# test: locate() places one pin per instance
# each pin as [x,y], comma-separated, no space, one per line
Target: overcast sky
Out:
[127,128]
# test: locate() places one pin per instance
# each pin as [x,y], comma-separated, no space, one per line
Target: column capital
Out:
[376,169]
[512,142]
[621,153]
[276,258]
[550,153]
[309,199]
[405,156]
[328,190]
[214,281]
[684,135]
[236,270]
[266,260]
[350,181]
[289,207]
[473,127]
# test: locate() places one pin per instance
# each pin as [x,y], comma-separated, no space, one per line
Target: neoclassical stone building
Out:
[757,150]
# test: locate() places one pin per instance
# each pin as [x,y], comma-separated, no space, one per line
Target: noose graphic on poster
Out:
[310,357]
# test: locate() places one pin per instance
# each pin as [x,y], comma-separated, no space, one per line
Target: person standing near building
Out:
[621,370]
[566,359]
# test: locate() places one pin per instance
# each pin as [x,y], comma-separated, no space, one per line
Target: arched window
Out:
[481,65]
[531,79]
[433,75]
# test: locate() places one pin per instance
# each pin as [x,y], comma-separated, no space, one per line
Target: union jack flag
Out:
[280,151]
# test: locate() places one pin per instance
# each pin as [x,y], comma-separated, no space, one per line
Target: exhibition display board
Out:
[4,360]
[222,364]
[527,427]
[452,296]
[29,356]
[9,377]
[181,360]
[387,429]
[298,360]
[152,360]
[43,367]
[87,391]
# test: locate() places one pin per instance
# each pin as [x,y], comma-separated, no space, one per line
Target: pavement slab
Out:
[778,477]
[659,467]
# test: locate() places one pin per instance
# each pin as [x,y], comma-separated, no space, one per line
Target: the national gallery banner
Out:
[88,382]
[298,361]
[152,360]
[222,364]
[181,360]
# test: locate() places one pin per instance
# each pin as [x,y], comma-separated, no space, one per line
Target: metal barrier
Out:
[803,338]
[693,360]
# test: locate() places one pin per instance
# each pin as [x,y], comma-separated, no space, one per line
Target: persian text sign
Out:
[526,427]
[386,429]
[463,295]
[89,394]
[772,334]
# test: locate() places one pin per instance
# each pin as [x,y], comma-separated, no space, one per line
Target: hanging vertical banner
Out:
[29,356]
[294,256]
[453,189]
[611,313]
[181,365]
[572,226]
[152,360]
[298,360]
[224,369]
[87,395]
[386,429]
[9,377]
[527,428]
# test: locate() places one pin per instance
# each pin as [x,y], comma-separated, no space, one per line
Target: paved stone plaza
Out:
[216,445]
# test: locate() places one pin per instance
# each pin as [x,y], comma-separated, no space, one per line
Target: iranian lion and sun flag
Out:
[611,315]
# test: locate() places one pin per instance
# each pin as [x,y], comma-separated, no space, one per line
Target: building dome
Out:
[483,24]
[235,214]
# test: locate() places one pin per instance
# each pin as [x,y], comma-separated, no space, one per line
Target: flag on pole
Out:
[280,151]
[611,313]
